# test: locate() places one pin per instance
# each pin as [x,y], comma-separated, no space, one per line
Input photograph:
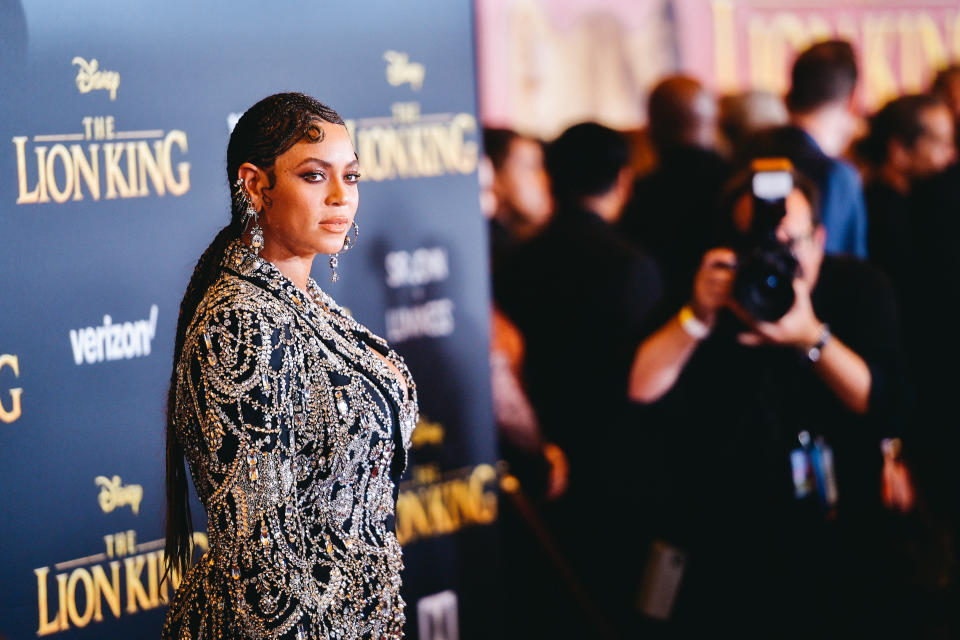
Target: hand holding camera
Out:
[713,284]
[761,280]
[713,290]
[799,327]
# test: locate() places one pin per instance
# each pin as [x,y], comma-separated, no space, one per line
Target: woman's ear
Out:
[254,180]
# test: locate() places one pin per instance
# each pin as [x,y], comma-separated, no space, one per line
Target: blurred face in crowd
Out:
[935,149]
[682,113]
[521,185]
[797,230]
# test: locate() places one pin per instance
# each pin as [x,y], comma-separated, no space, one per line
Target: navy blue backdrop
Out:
[115,120]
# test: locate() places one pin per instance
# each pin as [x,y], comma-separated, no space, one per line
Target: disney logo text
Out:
[90,77]
[113,494]
[400,70]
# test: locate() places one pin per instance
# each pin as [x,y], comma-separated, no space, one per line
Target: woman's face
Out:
[934,149]
[522,185]
[313,201]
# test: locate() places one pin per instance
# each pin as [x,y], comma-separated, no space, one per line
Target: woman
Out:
[294,418]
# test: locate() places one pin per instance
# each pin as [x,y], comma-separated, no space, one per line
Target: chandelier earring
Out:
[242,200]
[347,245]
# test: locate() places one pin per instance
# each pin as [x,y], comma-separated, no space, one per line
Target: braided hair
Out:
[265,131]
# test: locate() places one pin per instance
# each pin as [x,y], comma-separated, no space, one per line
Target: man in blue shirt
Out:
[821,127]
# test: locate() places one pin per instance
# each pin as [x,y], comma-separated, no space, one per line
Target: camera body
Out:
[766,267]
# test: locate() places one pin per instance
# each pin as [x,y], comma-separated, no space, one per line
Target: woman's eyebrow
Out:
[324,163]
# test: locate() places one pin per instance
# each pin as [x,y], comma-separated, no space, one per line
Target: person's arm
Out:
[843,370]
[659,361]
[846,374]
[661,358]
[514,415]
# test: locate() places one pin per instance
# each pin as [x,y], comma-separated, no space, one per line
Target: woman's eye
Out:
[314,176]
[353,177]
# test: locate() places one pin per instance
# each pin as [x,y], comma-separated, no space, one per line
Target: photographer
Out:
[737,398]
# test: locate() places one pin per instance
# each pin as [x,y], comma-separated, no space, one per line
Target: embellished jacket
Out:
[295,433]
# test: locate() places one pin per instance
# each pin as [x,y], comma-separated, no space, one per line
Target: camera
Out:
[766,267]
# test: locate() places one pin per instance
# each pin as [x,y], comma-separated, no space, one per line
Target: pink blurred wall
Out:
[544,64]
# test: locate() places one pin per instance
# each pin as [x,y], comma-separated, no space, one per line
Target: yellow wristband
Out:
[692,325]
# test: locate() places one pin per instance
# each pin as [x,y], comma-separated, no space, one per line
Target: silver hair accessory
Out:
[243,200]
[347,245]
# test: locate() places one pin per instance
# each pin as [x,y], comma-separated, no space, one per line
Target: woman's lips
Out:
[336,225]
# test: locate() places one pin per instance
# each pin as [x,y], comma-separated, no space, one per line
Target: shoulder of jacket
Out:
[846,171]
[230,296]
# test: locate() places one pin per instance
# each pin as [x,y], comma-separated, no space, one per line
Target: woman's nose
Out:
[338,194]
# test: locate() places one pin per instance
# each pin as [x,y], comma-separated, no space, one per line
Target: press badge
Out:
[811,466]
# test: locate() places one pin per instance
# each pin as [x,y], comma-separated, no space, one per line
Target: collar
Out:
[315,304]
[239,259]
[802,134]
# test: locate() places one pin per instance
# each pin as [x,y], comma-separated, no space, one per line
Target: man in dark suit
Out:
[821,127]
[581,295]
[671,214]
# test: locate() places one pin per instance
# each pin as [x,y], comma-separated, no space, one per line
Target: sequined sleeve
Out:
[243,382]
[239,396]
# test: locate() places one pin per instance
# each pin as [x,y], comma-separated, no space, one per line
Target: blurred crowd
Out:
[723,378]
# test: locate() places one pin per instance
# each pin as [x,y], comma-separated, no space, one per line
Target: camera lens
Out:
[764,282]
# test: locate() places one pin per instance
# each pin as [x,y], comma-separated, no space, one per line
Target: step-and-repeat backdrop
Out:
[113,135]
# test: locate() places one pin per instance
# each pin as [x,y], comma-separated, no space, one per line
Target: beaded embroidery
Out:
[295,432]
